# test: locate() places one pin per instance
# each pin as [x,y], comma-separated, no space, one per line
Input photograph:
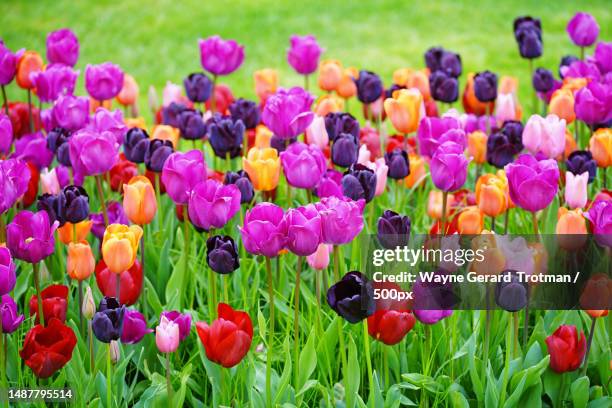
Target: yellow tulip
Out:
[120,246]
[139,200]
[263,167]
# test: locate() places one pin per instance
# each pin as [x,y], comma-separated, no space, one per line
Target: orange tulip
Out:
[330,74]
[417,171]
[477,146]
[570,144]
[346,86]
[470,221]
[401,76]
[29,62]
[494,261]
[600,146]
[596,294]
[139,200]
[329,103]
[420,80]
[574,84]
[95,104]
[120,246]
[434,204]
[138,122]
[165,132]
[491,194]
[266,82]
[571,223]
[562,105]
[471,104]
[404,110]
[263,135]
[66,232]
[80,263]
[129,92]
[508,84]
[263,168]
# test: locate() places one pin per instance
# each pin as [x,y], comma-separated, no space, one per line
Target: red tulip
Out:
[566,349]
[229,337]
[392,319]
[55,303]
[47,349]
[131,282]
[20,118]
[223,98]
[122,172]
[32,191]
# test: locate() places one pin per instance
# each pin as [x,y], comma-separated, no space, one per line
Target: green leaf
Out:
[491,392]
[308,361]
[351,374]
[423,381]
[579,391]
[458,400]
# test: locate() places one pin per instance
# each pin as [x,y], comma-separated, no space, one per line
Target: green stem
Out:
[91,348]
[306,82]
[168,382]
[6,102]
[108,378]
[506,365]
[534,218]
[30,116]
[81,321]
[444,203]
[585,365]
[160,211]
[102,200]
[515,316]
[35,272]
[366,342]
[296,322]
[270,334]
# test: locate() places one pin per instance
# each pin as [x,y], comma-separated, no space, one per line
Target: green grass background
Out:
[157,40]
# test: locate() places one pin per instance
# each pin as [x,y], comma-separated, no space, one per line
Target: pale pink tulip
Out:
[576,189]
[545,135]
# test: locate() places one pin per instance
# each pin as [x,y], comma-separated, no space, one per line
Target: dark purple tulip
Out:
[341,122]
[225,136]
[583,29]
[245,110]
[543,80]
[359,182]
[222,254]
[352,297]
[603,56]
[63,47]
[580,161]
[566,61]
[33,148]
[369,86]
[8,64]
[75,202]
[443,87]
[303,230]
[57,142]
[432,58]
[71,112]
[136,144]
[56,80]
[50,203]
[107,323]
[182,319]
[330,184]
[191,124]
[103,81]
[198,87]
[171,112]
[11,319]
[398,164]
[526,23]
[134,327]
[394,87]
[116,215]
[30,236]
[511,296]
[433,301]
[345,150]
[14,179]
[503,145]
[528,35]
[104,120]
[281,144]
[157,154]
[241,180]
[304,53]
[439,59]
[393,230]
[485,86]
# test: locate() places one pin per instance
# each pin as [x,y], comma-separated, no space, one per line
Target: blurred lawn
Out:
[156,40]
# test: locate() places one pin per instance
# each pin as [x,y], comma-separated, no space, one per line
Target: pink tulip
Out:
[545,135]
[364,155]
[49,182]
[505,107]
[320,259]
[381,169]
[172,93]
[316,134]
[576,189]
[167,335]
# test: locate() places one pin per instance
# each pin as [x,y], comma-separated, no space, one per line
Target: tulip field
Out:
[267,211]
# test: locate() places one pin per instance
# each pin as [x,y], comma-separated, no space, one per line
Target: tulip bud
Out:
[320,259]
[80,263]
[115,351]
[222,254]
[88,308]
[139,201]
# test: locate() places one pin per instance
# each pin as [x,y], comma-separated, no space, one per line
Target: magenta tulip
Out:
[583,29]
[93,153]
[6,134]
[54,81]
[432,132]
[303,165]
[14,179]
[103,81]
[287,113]
[265,230]
[181,173]
[30,236]
[219,56]
[449,167]
[213,204]
[62,47]
[304,53]
[533,184]
[303,230]
[71,112]
[341,219]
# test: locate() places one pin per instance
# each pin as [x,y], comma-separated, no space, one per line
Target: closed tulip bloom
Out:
[341,219]
[562,105]
[485,86]
[433,132]
[74,203]
[600,215]
[80,263]
[8,64]
[47,349]
[492,195]
[219,56]
[507,107]
[241,180]
[404,110]
[52,205]
[7,271]
[30,236]
[222,254]
[66,233]
[181,173]
[545,135]
[316,134]
[129,91]
[167,335]
[103,81]
[191,124]
[449,167]
[263,168]
[398,164]
[542,80]
[303,230]
[528,34]
[29,63]
[93,153]
[139,200]
[346,86]
[57,142]
[433,301]
[319,260]
[532,184]
[212,204]
[134,327]
[369,87]
[9,315]
[566,348]
[54,81]
[581,161]
[511,295]
[503,145]
[344,151]
[470,102]
[470,221]
[594,103]
[170,113]
[434,204]
[330,74]
[15,176]
[264,231]
[359,182]
[439,59]
[183,320]
[576,189]
[303,55]
[443,87]
[393,229]
[246,111]
[55,303]
[107,323]
[287,112]
[337,123]
[198,87]
[352,297]
[266,82]
[136,143]
[602,55]
[600,145]
[226,136]
[583,29]
[63,47]
[477,146]
[157,154]
[390,326]
[228,339]
[71,112]
[572,223]
[381,170]
[303,165]
[417,173]
[330,184]
[120,246]
[328,104]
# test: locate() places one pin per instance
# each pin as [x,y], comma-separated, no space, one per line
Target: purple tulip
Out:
[528,35]
[71,112]
[439,59]
[337,123]
[304,53]
[369,87]
[33,148]
[54,81]
[103,81]
[11,319]
[582,69]
[191,124]
[93,153]
[63,47]
[198,87]
[6,134]
[245,110]
[219,56]
[449,167]
[7,271]
[30,236]
[345,150]
[330,184]
[287,113]
[432,301]
[48,119]
[359,182]
[181,173]
[594,103]
[352,297]
[183,320]
[434,131]
[104,120]
[303,165]
[341,219]
[485,86]
[303,230]
[397,161]
[600,215]
[543,80]
[583,29]
[157,153]
[443,87]
[134,327]
[14,179]
[8,64]
[135,144]
[63,177]
[603,56]
[212,204]
[241,180]
[265,230]
[170,113]
[533,184]
[116,215]
[225,136]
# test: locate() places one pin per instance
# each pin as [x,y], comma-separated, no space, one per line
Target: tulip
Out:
[470,103]
[6,134]
[330,184]
[546,135]
[352,297]
[134,327]
[417,172]
[433,301]
[264,231]
[303,165]
[503,145]
[120,246]
[593,103]
[581,161]
[397,161]
[130,282]
[390,326]
[57,142]
[470,221]
[219,56]
[603,52]
[341,219]
[439,59]
[346,86]
[528,35]
[103,81]
[266,82]
[337,123]
[393,230]
[381,170]
[29,63]
[369,87]
[74,205]
[128,95]
[62,47]
[485,86]
[229,338]
[601,221]
[222,254]
[107,323]
[51,205]
[477,146]
[330,75]
[511,296]
[30,236]
[287,112]
[359,182]
[562,105]
[9,315]
[576,189]
[433,132]
[344,152]
[32,148]
[443,87]
[246,111]
[243,182]
[54,81]
[7,271]
[449,167]
[135,145]
[8,64]
[492,195]
[566,349]
[507,107]
[49,182]
[183,320]
[191,125]
[225,136]
[47,349]
[181,173]
[600,145]
[571,223]
[167,335]
[66,233]
[93,153]
[71,112]
[542,80]
[198,87]
[319,260]
[303,230]
[80,263]
[303,55]
[157,154]
[404,110]
[139,200]
[596,294]
[532,184]
[212,204]
[54,303]
[116,215]
[316,134]
[263,168]
[583,29]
